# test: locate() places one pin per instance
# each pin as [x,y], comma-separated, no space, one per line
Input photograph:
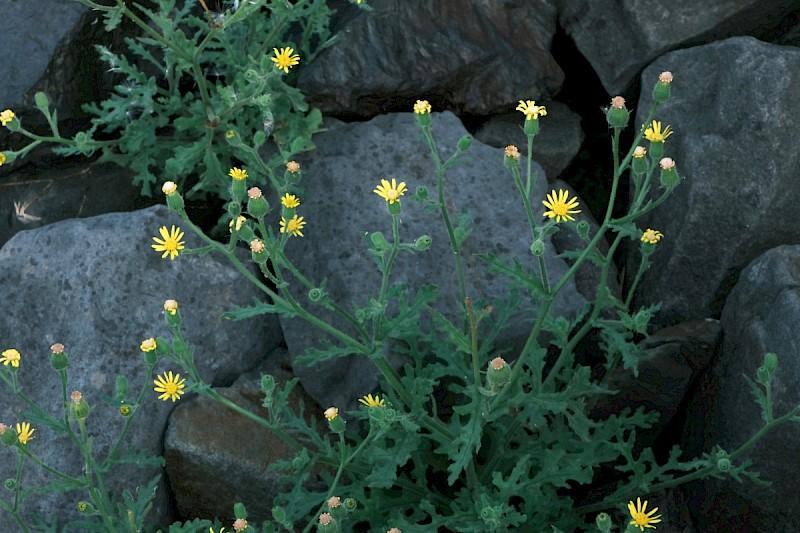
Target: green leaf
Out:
[257,309]
[517,274]
[468,441]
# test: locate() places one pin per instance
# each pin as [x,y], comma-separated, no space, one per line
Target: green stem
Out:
[387,268]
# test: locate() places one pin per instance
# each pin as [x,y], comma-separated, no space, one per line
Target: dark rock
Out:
[732,110]
[473,57]
[96,286]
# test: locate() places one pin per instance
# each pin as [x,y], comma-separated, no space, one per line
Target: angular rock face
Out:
[97,287]
[760,316]
[733,114]
[477,56]
[621,38]
[341,209]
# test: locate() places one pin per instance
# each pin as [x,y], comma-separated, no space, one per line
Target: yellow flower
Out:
[239,221]
[640,518]
[2,158]
[531,110]
[170,242]
[124,410]
[654,133]
[285,59]
[290,201]
[239,174]
[372,401]
[148,345]
[6,117]
[171,306]
[391,192]
[560,205]
[293,227]
[171,386]
[10,357]
[651,236]
[24,432]
[422,107]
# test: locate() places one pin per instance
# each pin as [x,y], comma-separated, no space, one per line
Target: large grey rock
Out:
[733,110]
[96,286]
[476,57]
[619,38]
[760,316]
[341,209]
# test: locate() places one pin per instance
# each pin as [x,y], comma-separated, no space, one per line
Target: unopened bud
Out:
[498,373]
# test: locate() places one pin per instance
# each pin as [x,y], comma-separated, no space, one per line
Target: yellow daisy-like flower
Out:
[2,158]
[6,116]
[293,227]
[560,205]
[391,192]
[285,58]
[372,401]
[239,174]
[11,357]
[651,236]
[654,133]
[290,201]
[240,220]
[24,432]
[422,107]
[531,110]
[170,386]
[211,530]
[641,518]
[170,242]
[148,345]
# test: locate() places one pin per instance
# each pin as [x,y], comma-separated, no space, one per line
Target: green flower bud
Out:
[763,375]
[464,143]
[669,177]
[85,507]
[771,362]
[279,514]
[724,464]
[497,373]
[10,484]
[421,193]
[257,205]
[239,510]
[42,103]
[350,504]
[251,75]
[379,241]
[335,422]
[423,243]
[267,384]
[603,522]
[316,295]
[537,247]
[7,435]
[58,359]
[125,410]
[582,227]
[259,138]
[617,114]
[661,89]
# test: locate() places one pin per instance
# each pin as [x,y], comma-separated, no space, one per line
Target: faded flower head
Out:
[256,246]
[422,107]
[171,306]
[512,151]
[253,193]
[240,524]
[334,502]
[498,363]
[76,396]
[331,413]
[293,167]
[285,58]
[170,242]
[560,206]
[665,77]
[666,163]
[325,519]
[618,102]
[639,152]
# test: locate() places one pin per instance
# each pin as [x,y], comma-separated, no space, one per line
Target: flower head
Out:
[257,246]
[76,396]
[239,174]
[253,193]
[665,77]
[651,236]
[290,201]
[372,401]
[394,530]
[639,152]
[560,206]
[11,357]
[240,524]
[57,348]
[391,192]
[654,133]
[325,519]
[170,242]
[170,386]
[2,158]
[531,110]
[171,306]
[422,107]
[512,151]
[334,502]
[498,363]
[285,58]
[240,220]
[293,167]
[24,432]
[641,519]
[124,410]
[331,413]
[618,102]
[148,345]
[169,187]
[230,134]
[6,116]
[667,163]
[294,226]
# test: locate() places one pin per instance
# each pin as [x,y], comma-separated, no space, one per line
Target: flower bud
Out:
[423,243]
[603,522]
[771,362]
[8,436]
[537,247]
[379,241]
[267,384]
[617,114]
[582,227]
[464,143]
[259,138]
[669,176]
[421,193]
[257,205]
[350,504]
[85,507]
[42,103]
[316,295]
[724,464]
[763,375]
[10,484]
[125,409]
[335,421]
[661,89]
[239,511]
[497,374]
[279,514]
[58,359]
